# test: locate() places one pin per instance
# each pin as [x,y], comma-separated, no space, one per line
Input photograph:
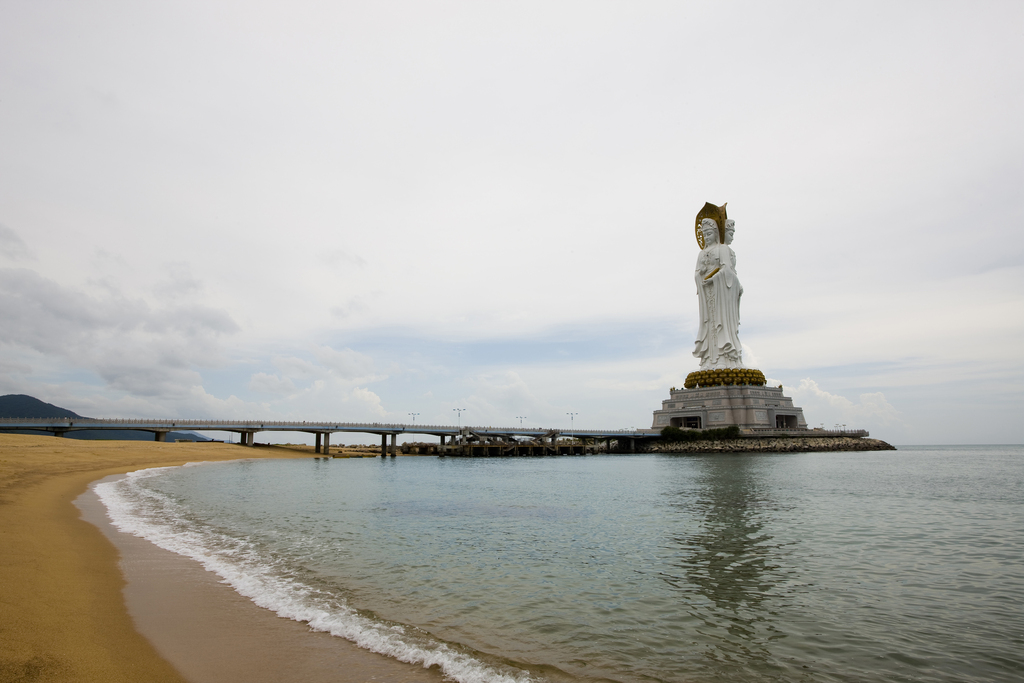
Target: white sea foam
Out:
[136,509]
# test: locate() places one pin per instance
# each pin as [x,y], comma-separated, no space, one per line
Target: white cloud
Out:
[297,368]
[263,383]
[750,359]
[13,247]
[345,363]
[498,397]
[369,401]
[821,406]
[131,345]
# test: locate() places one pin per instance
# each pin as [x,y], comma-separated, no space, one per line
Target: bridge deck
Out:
[461,440]
[252,426]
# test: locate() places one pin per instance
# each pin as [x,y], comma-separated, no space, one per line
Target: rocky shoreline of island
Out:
[773,444]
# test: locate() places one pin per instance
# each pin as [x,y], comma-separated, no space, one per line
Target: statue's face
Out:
[710,230]
[730,229]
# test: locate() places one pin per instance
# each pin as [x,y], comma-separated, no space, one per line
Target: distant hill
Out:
[22,406]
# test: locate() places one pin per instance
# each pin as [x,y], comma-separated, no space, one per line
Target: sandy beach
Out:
[82,602]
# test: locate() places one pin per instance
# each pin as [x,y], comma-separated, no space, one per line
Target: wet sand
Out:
[67,612]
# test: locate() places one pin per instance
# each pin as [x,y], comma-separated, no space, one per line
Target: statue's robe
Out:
[718,339]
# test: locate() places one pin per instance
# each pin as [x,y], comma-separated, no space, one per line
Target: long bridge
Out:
[461,440]
[488,438]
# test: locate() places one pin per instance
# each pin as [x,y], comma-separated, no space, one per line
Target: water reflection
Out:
[730,566]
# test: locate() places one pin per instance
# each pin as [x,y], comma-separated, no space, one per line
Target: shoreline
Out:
[210,634]
[772,444]
[66,608]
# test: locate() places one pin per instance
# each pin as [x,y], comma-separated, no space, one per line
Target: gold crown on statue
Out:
[717,214]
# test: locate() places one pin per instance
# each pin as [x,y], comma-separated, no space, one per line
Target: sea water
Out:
[888,566]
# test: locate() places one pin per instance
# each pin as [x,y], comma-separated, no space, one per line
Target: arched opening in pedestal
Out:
[785,422]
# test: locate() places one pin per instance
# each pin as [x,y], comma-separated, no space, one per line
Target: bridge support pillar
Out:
[160,436]
[327,443]
[394,446]
[383,445]
[316,449]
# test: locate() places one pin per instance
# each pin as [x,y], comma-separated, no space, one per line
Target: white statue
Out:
[719,291]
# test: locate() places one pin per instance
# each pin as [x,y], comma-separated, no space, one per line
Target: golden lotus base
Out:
[715,378]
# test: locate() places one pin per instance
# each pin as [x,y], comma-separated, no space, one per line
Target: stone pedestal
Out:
[744,405]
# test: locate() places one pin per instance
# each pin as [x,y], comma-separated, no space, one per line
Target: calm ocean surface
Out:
[891,566]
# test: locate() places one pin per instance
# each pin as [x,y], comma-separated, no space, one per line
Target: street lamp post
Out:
[521,418]
[459,411]
[414,417]
[572,429]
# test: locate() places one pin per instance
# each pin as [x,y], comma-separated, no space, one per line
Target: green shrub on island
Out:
[722,434]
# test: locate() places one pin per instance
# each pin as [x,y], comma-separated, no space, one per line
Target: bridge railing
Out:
[289,425]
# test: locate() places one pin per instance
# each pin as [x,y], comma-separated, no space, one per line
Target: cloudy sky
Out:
[362,210]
